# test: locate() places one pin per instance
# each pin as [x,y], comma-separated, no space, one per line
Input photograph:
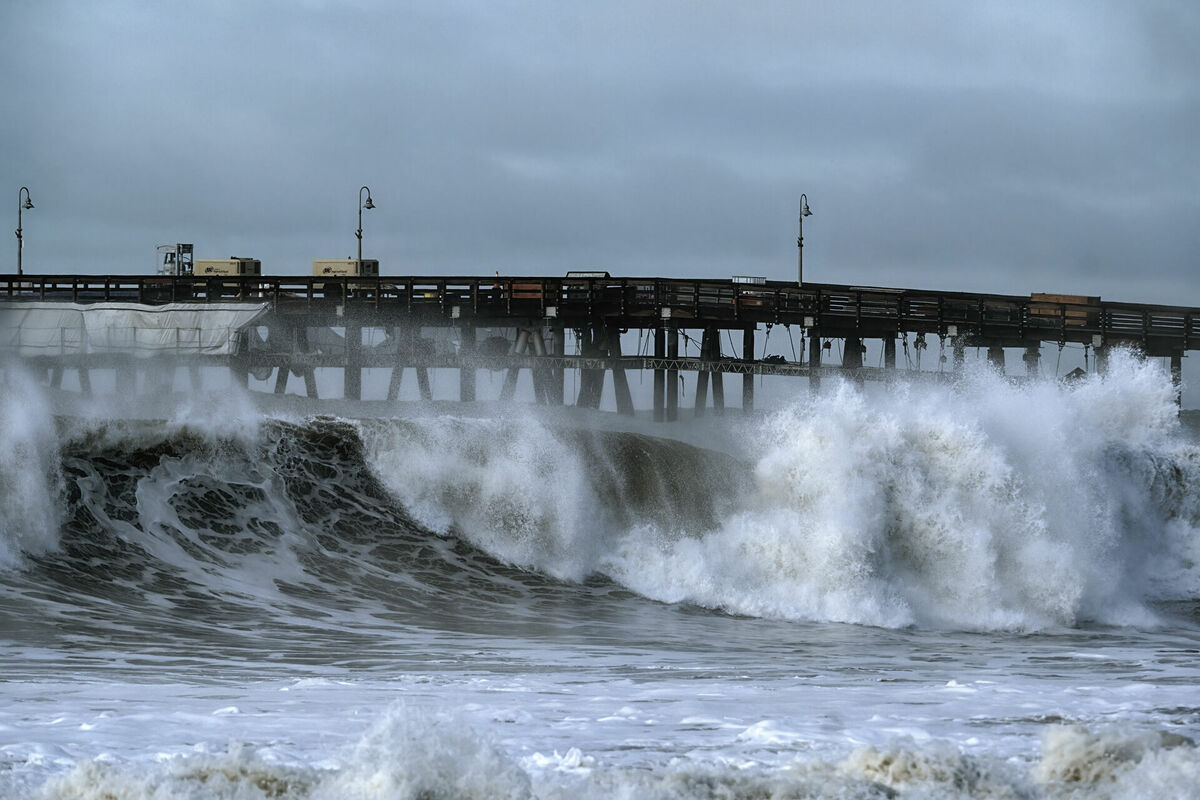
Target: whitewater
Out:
[979,588]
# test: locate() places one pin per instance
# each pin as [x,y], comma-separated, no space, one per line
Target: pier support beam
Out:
[509,388]
[281,338]
[423,387]
[541,375]
[620,380]
[466,372]
[747,379]
[558,346]
[1101,359]
[814,362]
[995,358]
[660,376]
[352,370]
[397,377]
[1177,377]
[718,377]
[959,345]
[1032,359]
[889,352]
[308,373]
[591,381]
[672,375]
[852,353]
[702,376]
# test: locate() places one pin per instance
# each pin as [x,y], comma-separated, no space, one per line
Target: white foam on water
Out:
[980,506]
[508,486]
[31,502]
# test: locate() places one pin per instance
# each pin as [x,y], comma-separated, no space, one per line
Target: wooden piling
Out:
[352,371]
[466,373]
[747,379]
[814,362]
[660,376]
[672,375]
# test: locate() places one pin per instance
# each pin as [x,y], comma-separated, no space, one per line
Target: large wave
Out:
[980,505]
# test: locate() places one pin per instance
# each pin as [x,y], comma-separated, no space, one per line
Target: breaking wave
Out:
[983,505]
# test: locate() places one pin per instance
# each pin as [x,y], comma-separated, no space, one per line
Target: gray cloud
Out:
[999,148]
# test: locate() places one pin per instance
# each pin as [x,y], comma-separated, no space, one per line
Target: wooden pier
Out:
[318,322]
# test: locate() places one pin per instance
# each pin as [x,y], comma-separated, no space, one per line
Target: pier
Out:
[413,324]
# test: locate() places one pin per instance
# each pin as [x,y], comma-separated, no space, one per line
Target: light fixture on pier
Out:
[805,211]
[361,205]
[20,208]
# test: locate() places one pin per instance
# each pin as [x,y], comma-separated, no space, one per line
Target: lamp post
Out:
[21,208]
[361,206]
[804,212]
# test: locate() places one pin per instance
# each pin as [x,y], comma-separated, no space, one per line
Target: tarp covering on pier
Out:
[48,329]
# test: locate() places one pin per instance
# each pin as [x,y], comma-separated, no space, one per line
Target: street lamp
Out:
[20,208]
[804,212]
[361,206]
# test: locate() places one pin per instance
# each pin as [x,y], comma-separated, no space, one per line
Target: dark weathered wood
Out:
[827,310]
[599,310]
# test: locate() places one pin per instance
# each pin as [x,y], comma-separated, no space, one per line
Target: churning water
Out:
[976,590]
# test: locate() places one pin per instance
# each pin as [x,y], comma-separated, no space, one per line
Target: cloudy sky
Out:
[1007,147]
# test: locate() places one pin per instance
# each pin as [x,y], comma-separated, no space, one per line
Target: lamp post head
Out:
[805,211]
[28,203]
[368,204]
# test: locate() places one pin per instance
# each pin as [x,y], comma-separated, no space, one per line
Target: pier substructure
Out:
[1032,359]
[718,377]
[352,372]
[591,380]
[660,375]
[302,309]
[620,380]
[530,341]
[466,371]
[747,379]
[1177,377]
[710,350]
[409,349]
[559,347]
[814,362]
[672,374]
[852,353]
[995,358]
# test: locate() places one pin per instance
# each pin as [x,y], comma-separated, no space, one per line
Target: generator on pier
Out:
[346,267]
[229,266]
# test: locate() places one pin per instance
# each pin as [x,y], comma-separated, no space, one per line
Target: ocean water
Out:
[970,590]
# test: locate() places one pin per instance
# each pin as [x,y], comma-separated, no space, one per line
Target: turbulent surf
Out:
[977,589]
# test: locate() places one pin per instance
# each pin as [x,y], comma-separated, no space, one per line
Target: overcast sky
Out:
[1001,146]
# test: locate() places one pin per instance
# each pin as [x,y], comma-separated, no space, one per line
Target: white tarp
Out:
[48,329]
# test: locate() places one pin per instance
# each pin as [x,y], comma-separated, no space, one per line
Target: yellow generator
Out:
[346,267]
[227,266]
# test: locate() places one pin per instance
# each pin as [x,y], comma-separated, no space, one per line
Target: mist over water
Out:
[976,589]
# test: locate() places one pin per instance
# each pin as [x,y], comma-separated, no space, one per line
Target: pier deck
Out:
[599,309]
